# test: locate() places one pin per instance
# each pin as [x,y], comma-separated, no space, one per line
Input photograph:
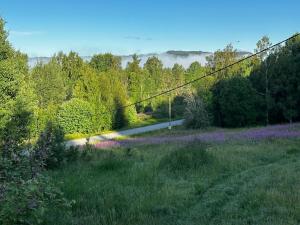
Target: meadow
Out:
[241,181]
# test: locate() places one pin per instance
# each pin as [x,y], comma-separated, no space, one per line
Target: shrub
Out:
[41,116]
[27,201]
[131,115]
[50,149]
[191,157]
[72,154]
[76,116]
[103,119]
[195,114]
[25,192]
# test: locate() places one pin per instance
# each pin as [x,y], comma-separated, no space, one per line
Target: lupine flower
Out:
[219,136]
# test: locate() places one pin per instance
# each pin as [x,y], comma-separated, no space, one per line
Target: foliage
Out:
[195,115]
[5,48]
[131,115]
[277,79]
[76,116]
[234,102]
[49,83]
[15,131]
[222,58]
[106,62]
[28,201]
[50,150]
[26,194]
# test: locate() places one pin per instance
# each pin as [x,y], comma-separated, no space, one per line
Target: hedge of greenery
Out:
[76,116]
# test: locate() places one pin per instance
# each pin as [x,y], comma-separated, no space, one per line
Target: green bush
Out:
[103,118]
[50,148]
[131,115]
[27,201]
[234,102]
[76,116]
[25,191]
[41,116]
[195,115]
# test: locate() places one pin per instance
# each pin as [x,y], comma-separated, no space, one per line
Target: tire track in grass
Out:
[215,199]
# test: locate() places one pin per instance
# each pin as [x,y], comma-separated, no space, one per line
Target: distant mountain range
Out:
[169,58]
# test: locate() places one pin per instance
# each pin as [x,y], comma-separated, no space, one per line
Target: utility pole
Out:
[267,97]
[170,111]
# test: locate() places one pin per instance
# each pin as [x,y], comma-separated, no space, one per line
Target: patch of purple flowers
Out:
[218,136]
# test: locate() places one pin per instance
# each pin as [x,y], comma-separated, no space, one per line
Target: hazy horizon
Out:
[128,27]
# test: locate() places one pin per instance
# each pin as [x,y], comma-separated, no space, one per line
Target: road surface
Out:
[119,134]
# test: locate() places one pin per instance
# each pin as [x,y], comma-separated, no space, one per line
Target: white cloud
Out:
[24,33]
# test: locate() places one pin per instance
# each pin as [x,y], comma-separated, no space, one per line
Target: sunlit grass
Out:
[242,182]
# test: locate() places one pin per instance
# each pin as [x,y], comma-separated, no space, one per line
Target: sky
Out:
[122,27]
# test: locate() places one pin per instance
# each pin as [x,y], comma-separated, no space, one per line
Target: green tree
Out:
[71,66]
[105,62]
[153,78]
[262,44]
[277,79]
[49,83]
[177,77]
[195,115]
[155,69]
[6,51]
[234,102]
[13,70]
[135,80]
[16,131]
[221,59]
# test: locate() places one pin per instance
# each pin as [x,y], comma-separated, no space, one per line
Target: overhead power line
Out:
[211,73]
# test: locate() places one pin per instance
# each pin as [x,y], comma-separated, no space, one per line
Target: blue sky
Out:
[41,28]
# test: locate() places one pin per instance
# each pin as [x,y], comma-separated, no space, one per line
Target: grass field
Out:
[235,182]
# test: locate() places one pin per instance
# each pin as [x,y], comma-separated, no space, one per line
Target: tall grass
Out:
[229,183]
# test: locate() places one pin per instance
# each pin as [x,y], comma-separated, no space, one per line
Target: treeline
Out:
[268,93]
[89,97]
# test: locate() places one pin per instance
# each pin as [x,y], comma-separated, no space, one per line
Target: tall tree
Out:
[49,83]
[71,65]
[13,70]
[277,79]
[262,44]
[136,80]
[221,59]
[6,51]
[105,62]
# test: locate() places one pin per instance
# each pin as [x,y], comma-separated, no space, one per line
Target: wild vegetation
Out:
[43,182]
[236,182]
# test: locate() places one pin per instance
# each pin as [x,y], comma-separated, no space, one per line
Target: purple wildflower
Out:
[219,136]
